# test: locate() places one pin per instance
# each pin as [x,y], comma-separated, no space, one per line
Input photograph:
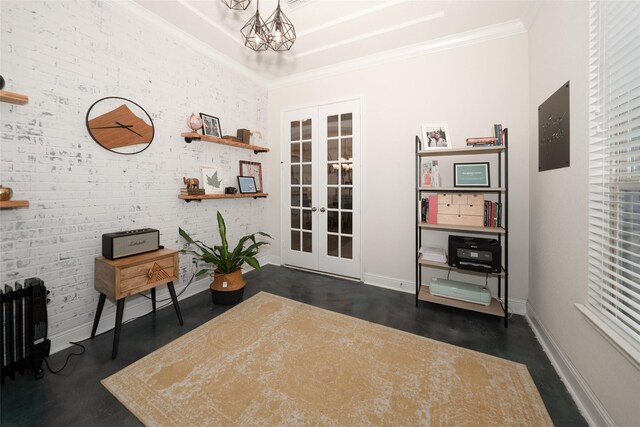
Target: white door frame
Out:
[284,191]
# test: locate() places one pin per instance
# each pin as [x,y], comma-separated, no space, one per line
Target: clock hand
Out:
[127,127]
[110,127]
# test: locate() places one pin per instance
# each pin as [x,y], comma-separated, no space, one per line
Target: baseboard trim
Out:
[139,308]
[272,260]
[587,402]
[389,283]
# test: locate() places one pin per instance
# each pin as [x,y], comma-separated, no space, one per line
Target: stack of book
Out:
[492,214]
[498,139]
[192,191]
[428,209]
[499,131]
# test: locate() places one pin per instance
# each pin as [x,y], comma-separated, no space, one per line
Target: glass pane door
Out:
[301,185]
[339,167]
[321,216]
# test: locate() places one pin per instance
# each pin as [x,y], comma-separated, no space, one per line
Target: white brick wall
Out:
[65,56]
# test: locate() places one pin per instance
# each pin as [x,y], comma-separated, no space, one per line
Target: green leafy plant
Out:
[220,257]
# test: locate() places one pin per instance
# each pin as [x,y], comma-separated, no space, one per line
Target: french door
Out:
[321,207]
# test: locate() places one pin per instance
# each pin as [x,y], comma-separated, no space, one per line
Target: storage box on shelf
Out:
[462,210]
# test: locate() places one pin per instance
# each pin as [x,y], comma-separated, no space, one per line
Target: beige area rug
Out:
[273,361]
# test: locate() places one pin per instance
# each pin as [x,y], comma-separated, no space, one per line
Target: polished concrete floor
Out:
[76,398]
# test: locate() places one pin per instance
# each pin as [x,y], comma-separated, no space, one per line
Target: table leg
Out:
[153,299]
[96,318]
[116,335]
[172,291]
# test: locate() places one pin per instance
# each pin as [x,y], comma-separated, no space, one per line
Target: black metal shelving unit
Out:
[499,306]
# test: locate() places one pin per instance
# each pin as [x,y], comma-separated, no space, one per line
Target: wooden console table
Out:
[120,278]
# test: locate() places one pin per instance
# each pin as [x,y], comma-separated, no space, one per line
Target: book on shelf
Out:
[423,209]
[192,191]
[492,214]
[433,254]
[432,217]
[497,128]
[481,141]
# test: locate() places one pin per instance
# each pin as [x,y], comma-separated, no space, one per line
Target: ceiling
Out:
[334,34]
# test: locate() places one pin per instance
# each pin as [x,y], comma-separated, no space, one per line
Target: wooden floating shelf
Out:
[221,196]
[462,189]
[9,204]
[445,266]
[461,151]
[191,136]
[494,309]
[13,98]
[468,228]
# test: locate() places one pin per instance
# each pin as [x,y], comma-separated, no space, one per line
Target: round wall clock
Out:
[120,125]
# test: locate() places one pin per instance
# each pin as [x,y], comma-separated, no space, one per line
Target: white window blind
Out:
[614,166]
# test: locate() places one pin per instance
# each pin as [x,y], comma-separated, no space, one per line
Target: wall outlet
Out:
[224,284]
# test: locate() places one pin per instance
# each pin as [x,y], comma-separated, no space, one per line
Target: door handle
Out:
[314,209]
[322,209]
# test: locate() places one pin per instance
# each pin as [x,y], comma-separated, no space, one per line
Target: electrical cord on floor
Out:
[139,317]
[157,301]
[57,371]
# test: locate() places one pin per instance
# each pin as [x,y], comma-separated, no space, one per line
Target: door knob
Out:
[322,209]
[313,209]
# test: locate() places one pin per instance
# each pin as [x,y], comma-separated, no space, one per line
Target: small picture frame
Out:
[435,136]
[471,174]
[212,180]
[253,169]
[210,125]
[247,184]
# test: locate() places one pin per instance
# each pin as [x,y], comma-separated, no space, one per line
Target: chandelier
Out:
[277,33]
[237,4]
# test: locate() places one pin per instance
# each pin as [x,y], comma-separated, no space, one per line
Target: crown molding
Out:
[488,33]
[189,40]
[381,31]
[350,17]
[211,22]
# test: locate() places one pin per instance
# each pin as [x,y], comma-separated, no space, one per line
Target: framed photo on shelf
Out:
[429,173]
[253,169]
[212,180]
[471,174]
[210,125]
[435,136]
[247,184]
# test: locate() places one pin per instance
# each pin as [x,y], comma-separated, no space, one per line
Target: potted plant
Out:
[228,284]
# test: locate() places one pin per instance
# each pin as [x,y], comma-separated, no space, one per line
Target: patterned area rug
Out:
[273,361]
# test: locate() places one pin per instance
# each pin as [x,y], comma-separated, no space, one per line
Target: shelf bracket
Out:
[192,200]
[188,139]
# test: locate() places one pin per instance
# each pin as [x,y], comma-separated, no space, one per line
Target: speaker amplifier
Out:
[132,242]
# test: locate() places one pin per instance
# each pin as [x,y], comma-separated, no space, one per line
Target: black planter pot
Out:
[227,297]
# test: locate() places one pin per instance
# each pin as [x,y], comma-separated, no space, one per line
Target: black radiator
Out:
[23,335]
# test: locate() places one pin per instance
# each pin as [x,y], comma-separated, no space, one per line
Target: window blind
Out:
[614,166]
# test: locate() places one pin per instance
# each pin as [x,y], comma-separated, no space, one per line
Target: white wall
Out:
[470,88]
[65,56]
[558,229]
